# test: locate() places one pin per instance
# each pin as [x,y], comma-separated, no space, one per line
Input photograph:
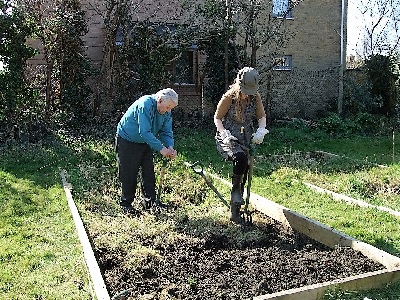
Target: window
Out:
[133,31]
[119,37]
[283,63]
[182,68]
[3,65]
[282,8]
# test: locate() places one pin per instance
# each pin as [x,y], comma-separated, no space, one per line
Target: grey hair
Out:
[167,93]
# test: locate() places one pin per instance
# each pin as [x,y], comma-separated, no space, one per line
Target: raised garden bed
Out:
[288,257]
[211,266]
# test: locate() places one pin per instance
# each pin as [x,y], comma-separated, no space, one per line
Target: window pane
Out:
[283,62]
[184,68]
[281,9]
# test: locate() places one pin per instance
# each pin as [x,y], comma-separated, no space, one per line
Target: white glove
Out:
[258,136]
[226,136]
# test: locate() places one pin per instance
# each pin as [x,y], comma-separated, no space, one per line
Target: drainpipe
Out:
[342,57]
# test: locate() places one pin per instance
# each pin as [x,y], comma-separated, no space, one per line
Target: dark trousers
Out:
[240,163]
[233,151]
[131,157]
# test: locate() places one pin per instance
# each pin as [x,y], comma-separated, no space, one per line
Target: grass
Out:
[40,253]
[377,149]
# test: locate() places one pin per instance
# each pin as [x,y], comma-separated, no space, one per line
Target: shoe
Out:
[160,205]
[236,191]
[235,216]
[128,210]
[147,203]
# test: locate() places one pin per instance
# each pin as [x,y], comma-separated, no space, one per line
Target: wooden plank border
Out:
[350,200]
[330,155]
[317,291]
[90,259]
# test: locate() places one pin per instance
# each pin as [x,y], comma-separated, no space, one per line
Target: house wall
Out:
[95,37]
[312,86]
[306,91]
[160,11]
[38,59]
[316,45]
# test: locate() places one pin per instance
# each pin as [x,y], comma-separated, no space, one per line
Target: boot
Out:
[126,206]
[235,214]
[129,210]
[147,203]
[150,204]
[236,192]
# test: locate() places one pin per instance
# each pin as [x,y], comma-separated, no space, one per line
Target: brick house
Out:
[306,82]
[310,81]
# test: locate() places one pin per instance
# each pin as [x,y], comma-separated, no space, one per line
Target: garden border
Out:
[350,200]
[90,259]
[330,155]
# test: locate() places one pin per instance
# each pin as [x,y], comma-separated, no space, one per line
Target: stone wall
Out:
[304,94]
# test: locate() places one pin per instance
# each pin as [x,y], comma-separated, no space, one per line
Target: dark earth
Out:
[211,266]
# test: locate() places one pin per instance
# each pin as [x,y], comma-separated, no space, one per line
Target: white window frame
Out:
[283,63]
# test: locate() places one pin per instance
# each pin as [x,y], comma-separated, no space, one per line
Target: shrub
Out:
[361,123]
[358,98]
[15,94]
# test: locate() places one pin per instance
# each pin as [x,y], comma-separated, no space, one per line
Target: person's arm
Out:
[218,124]
[145,126]
[167,137]
[262,122]
[222,109]
[258,136]
[166,134]
[260,113]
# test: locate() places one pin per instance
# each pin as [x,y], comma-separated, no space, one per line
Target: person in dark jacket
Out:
[144,128]
[239,112]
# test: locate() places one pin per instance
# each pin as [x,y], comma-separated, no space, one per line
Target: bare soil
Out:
[212,266]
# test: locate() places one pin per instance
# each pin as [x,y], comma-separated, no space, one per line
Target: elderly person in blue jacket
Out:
[145,127]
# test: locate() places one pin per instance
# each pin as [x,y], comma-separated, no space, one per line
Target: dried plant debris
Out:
[218,264]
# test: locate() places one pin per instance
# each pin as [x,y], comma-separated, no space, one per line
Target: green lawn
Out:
[40,254]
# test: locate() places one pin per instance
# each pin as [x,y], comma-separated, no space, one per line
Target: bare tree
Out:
[264,35]
[380,32]
[263,30]
[254,27]
[44,16]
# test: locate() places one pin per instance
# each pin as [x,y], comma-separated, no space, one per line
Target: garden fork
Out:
[246,214]
[161,183]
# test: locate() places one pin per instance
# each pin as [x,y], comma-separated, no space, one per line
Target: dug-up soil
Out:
[212,267]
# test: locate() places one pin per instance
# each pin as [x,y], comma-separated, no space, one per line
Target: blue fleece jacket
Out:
[142,123]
